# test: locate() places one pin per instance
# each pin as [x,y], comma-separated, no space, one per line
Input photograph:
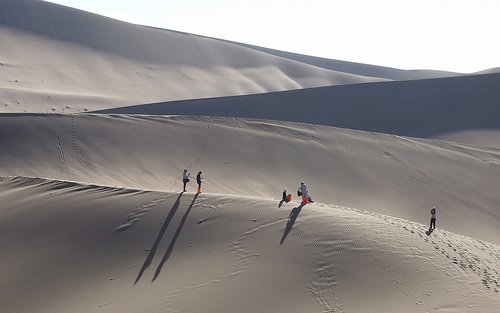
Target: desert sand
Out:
[99,117]
[54,55]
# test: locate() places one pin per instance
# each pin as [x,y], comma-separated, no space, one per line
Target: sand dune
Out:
[462,109]
[374,172]
[119,250]
[55,57]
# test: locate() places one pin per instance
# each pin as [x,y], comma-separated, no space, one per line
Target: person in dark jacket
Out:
[433,218]
[198,180]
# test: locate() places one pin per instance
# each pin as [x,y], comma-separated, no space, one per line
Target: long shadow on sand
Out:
[153,249]
[174,239]
[291,220]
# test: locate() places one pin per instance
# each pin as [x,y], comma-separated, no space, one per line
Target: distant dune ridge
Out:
[92,218]
[85,61]
[359,68]
[463,109]
[81,55]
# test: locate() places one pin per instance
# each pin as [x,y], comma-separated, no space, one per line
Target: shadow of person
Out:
[291,220]
[174,239]
[153,249]
[428,232]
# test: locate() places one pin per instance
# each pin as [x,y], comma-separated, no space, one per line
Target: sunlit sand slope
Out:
[85,248]
[393,175]
[55,58]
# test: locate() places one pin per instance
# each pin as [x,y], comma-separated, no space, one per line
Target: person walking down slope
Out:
[185,178]
[433,218]
[198,180]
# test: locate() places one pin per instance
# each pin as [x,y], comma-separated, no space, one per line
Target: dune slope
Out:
[374,172]
[55,57]
[463,109]
[119,250]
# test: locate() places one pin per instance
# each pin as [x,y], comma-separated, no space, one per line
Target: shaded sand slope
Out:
[117,250]
[397,176]
[463,109]
[55,57]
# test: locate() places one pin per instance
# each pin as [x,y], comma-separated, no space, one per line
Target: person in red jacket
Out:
[306,198]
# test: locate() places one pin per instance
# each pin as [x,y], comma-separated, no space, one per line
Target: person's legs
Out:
[433,223]
[199,187]
[185,182]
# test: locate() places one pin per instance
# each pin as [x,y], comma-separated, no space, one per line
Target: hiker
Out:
[284,195]
[185,178]
[304,193]
[433,218]
[198,180]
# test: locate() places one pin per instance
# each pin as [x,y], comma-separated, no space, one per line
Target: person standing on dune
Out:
[198,180]
[433,219]
[185,178]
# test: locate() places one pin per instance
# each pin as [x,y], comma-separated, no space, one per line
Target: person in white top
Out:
[433,218]
[305,193]
[185,178]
